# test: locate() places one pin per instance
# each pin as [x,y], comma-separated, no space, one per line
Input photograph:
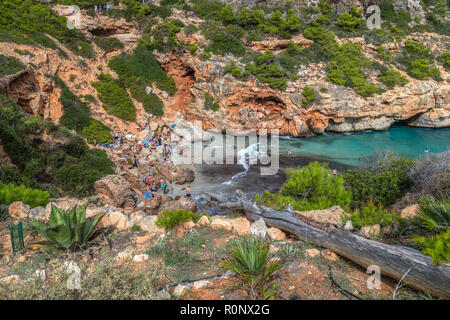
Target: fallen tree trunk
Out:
[393,261]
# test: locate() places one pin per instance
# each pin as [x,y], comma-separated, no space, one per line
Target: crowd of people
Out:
[126,145]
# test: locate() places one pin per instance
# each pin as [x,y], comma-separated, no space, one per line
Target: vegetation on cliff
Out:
[30,21]
[62,165]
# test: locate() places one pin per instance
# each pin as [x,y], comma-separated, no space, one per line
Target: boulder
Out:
[329,216]
[329,255]
[38,213]
[348,225]
[189,225]
[180,290]
[19,210]
[371,231]
[259,228]
[222,223]
[116,188]
[276,234]
[123,256]
[9,280]
[174,173]
[204,221]
[311,253]
[119,220]
[94,212]
[241,226]
[148,224]
[141,257]
[410,211]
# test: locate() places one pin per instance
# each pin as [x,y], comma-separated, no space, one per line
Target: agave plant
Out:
[249,257]
[434,214]
[68,229]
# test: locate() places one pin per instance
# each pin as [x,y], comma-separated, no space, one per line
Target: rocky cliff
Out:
[244,104]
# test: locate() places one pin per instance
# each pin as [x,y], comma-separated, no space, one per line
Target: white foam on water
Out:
[246,157]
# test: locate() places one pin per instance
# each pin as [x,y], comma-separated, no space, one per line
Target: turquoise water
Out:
[349,148]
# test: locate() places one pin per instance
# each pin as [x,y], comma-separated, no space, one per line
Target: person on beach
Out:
[187,193]
[289,152]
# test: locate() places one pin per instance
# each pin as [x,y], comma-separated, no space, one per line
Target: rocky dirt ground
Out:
[186,262]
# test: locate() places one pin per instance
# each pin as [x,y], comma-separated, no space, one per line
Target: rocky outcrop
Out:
[174,173]
[117,189]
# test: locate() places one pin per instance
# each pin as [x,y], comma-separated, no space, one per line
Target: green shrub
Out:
[249,258]
[10,65]
[371,214]
[384,54]
[172,218]
[266,71]
[436,246]
[382,182]
[391,78]
[116,100]
[445,59]
[98,131]
[75,112]
[108,43]
[309,188]
[324,7]
[192,48]
[345,69]
[308,95]
[76,176]
[28,21]
[349,21]
[210,103]
[68,229]
[10,193]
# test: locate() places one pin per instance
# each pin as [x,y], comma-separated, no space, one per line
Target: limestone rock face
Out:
[241,226]
[117,189]
[148,224]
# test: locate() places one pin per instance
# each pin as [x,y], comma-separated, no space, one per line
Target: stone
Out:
[222,223]
[38,213]
[410,211]
[94,212]
[348,225]
[9,280]
[371,231]
[200,284]
[18,210]
[276,234]
[241,226]
[123,256]
[40,273]
[180,290]
[141,257]
[204,221]
[148,224]
[119,220]
[331,215]
[116,188]
[329,255]
[188,224]
[259,228]
[311,253]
